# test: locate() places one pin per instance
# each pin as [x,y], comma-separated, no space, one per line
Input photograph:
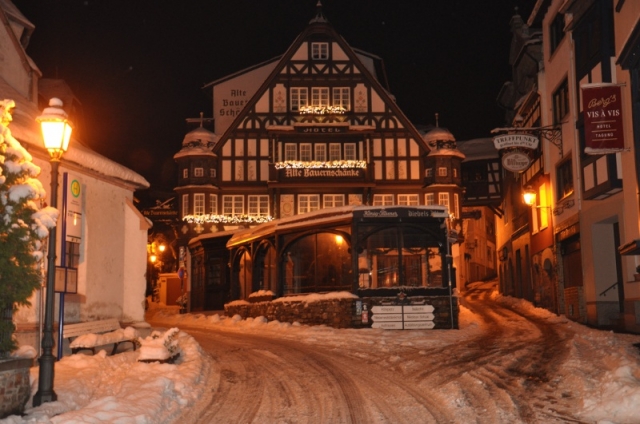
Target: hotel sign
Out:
[321,173]
[602,109]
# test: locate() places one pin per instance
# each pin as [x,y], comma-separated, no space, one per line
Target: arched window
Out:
[317,262]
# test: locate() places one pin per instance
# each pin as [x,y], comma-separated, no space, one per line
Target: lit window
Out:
[321,152]
[333,200]
[290,151]
[319,51]
[185,173]
[319,96]
[185,204]
[350,151]
[233,205]
[305,152]
[308,203]
[428,172]
[259,205]
[334,151]
[212,172]
[213,204]
[442,171]
[382,199]
[443,199]
[408,199]
[198,203]
[456,205]
[198,172]
[299,98]
[342,97]
[429,199]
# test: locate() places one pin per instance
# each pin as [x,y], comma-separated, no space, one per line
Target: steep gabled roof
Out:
[319,25]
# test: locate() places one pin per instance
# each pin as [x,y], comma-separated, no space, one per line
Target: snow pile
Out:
[159,346]
[116,336]
[101,388]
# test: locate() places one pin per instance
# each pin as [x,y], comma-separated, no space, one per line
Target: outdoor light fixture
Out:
[56,131]
[529,196]
[161,248]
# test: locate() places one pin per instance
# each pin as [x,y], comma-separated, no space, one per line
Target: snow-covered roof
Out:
[478,149]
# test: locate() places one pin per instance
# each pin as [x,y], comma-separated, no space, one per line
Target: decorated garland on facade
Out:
[322,110]
[225,219]
[333,164]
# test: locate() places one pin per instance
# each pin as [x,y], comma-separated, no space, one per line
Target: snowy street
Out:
[509,363]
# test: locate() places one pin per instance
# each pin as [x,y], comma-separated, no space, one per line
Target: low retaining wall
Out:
[14,385]
[339,313]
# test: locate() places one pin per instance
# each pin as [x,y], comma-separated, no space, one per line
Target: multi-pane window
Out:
[321,152]
[319,51]
[333,200]
[290,151]
[428,172]
[350,151]
[456,205]
[213,204]
[185,204]
[564,175]
[259,205]
[443,199]
[198,172]
[382,199]
[198,204]
[305,152]
[299,98]
[334,151]
[408,199]
[185,173]
[212,172]
[342,97]
[429,199]
[561,102]
[72,255]
[308,203]
[320,96]
[233,205]
[442,171]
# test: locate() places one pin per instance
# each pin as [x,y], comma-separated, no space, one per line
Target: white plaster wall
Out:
[135,264]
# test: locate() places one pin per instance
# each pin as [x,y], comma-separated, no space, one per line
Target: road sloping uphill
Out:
[508,371]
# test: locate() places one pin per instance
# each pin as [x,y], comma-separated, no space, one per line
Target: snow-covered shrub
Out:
[24,223]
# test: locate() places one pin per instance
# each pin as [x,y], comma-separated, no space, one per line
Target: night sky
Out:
[138,66]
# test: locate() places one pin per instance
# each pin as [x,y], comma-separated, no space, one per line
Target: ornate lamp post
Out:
[56,131]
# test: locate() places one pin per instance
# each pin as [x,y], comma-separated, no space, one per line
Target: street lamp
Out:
[56,131]
[529,196]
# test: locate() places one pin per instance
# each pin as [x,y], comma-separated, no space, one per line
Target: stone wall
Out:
[339,313]
[14,386]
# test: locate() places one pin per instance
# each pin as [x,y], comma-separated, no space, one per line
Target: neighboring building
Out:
[106,257]
[311,130]
[585,170]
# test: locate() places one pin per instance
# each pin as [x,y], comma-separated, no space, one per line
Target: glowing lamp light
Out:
[339,240]
[529,196]
[153,258]
[162,247]
[56,128]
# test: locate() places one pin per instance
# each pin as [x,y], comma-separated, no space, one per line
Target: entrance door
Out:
[217,286]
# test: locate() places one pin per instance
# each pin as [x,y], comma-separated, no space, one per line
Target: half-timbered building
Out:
[314,129]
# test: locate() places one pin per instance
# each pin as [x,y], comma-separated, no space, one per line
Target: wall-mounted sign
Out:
[325,129]
[602,109]
[321,173]
[516,161]
[526,141]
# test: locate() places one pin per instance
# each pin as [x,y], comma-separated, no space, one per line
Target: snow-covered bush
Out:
[23,226]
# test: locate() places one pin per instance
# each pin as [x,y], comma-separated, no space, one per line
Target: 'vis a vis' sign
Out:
[602,108]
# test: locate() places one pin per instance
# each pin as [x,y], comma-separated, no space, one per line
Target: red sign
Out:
[602,108]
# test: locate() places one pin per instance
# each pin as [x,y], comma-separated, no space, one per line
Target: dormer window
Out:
[320,51]
[198,172]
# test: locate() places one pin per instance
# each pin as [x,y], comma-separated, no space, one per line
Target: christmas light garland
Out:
[225,219]
[322,110]
[333,164]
